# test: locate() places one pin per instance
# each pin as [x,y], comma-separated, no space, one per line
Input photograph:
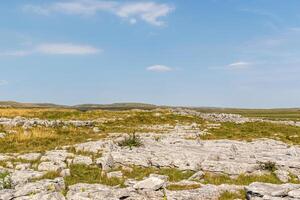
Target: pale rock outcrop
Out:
[151,183]
[85,160]
[30,156]
[272,191]
[20,177]
[52,166]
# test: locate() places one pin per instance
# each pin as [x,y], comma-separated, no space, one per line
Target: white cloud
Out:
[159,68]
[239,65]
[66,48]
[17,53]
[3,82]
[55,49]
[149,12]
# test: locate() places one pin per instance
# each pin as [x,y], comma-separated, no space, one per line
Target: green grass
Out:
[240,180]
[233,195]
[177,187]
[292,114]
[132,140]
[174,174]
[5,181]
[254,130]
[91,175]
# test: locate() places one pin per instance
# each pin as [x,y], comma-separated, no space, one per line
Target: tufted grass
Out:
[254,130]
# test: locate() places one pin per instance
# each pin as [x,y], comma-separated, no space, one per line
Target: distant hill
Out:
[14,104]
[114,106]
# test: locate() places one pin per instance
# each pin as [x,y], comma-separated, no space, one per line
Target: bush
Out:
[132,141]
[269,166]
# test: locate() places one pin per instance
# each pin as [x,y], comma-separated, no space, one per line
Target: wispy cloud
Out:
[55,49]
[149,12]
[159,68]
[66,48]
[239,65]
[3,82]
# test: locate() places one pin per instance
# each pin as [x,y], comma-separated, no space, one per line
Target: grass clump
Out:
[242,179]
[254,130]
[233,195]
[91,175]
[176,187]
[269,166]
[131,141]
[5,181]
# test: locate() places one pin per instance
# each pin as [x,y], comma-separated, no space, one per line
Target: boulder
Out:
[151,183]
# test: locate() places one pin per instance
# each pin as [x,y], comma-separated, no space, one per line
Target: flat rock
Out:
[151,183]
[85,160]
[52,166]
[30,156]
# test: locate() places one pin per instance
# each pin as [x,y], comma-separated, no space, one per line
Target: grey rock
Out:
[20,177]
[52,166]
[106,162]
[197,176]
[283,175]
[30,156]
[85,160]
[115,174]
[151,183]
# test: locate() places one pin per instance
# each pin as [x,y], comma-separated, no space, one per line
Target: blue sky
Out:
[230,53]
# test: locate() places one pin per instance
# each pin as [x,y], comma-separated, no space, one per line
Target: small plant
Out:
[5,181]
[269,166]
[132,141]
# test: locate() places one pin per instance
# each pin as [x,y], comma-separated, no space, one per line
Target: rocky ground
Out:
[172,163]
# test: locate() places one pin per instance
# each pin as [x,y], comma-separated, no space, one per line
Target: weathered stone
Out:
[51,166]
[30,156]
[197,176]
[56,156]
[106,162]
[267,190]
[23,176]
[2,135]
[151,183]
[85,160]
[48,186]
[100,192]
[23,166]
[65,172]
[283,175]
[116,174]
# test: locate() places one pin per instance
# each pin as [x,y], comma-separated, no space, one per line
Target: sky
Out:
[221,53]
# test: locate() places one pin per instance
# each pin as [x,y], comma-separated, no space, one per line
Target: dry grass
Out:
[176,187]
[233,195]
[41,139]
